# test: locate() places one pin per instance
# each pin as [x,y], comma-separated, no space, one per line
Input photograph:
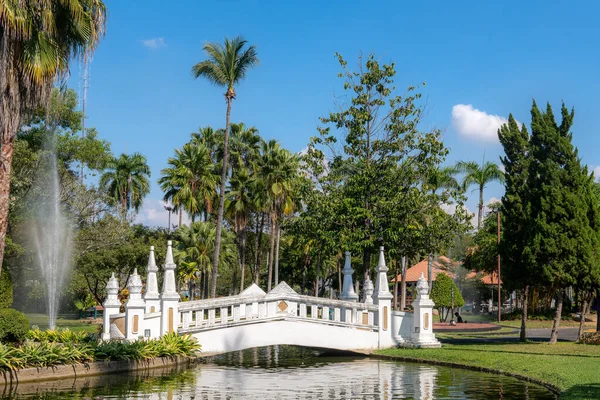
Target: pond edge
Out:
[36,374]
[555,389]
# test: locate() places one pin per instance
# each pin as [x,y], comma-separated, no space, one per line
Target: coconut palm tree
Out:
[196,244]
[238,207]
[479,176]
[443,178]
[37,41]
[226,65]
[126,181]
[278,171]
[189,181]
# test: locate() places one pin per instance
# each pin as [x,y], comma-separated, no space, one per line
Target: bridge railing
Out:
[236,310]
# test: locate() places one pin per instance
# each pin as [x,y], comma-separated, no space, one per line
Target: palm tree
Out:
[226,66]
[196,244]
[239,207]
[37,41]
[245,147]
[126,181]
[480,176]
[278,170]
[443,178]
[189,181]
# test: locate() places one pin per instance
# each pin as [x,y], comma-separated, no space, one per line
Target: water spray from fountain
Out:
[52,235]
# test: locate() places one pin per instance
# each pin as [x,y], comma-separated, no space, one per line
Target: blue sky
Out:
[494,57]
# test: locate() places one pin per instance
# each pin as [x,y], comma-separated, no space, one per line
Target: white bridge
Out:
[281,317]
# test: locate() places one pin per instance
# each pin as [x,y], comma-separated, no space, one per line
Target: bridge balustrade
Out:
[236,310]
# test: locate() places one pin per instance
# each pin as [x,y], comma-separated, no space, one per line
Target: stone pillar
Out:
[134,308]
[152,297]
[169,298]
[422,334]
[348,292]
[368,292]
[383,299]
[112,305]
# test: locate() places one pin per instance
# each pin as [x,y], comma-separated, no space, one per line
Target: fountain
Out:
[52,236]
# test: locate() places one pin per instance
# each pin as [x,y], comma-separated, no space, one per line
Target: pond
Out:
[285,372]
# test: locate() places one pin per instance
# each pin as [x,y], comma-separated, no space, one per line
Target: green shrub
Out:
[14,326]
[441,294]
[6,289]
[590,338]
[59,336]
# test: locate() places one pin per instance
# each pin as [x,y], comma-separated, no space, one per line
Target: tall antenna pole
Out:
[499,299]
[84,100]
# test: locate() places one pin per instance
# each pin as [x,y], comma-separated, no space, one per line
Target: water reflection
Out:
[282,372]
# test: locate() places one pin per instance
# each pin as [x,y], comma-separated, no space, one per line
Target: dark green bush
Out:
[14,326]
[6,290]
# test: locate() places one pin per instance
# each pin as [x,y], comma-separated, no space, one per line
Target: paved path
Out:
[543,334]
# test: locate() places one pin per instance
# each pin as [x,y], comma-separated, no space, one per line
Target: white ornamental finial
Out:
[381,267]
[152,261]
[169,257]
[368,291]
[422,286]
[112,287]
[348,292]
[135,283]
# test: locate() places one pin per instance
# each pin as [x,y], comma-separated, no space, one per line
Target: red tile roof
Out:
[440,264]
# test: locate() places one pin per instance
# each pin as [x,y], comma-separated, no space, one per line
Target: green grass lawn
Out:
[504,331]
[547,324]
[572,368]
[41,320]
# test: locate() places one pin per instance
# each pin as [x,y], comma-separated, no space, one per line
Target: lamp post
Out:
[169,209]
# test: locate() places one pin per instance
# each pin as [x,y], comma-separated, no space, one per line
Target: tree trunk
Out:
[317,276]
[305,267]
[597,310]
[191,290]
[367,264]
[215,268]
[395,307]
[6,155]
[429,271]
[557,315]
[271,252]
[243,258]
[180,217]
[278,229]
[257,245]
[523,335]
[339,264]
[403,285]
[480,214]
[585,301]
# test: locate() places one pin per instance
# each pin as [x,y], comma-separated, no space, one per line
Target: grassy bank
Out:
[569,367]
[41,321]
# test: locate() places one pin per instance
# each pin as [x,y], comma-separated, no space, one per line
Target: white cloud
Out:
[596,170]
[476,124]
[153,213]
[154,43]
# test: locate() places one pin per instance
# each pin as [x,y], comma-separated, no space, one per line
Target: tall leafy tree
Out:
[479,175]
[126,181]
[226,65]
[515,212]
[376,161]
[37,41]
[558,231]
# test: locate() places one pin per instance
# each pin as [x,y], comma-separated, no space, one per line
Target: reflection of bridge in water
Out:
[281,317]
[284,372]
